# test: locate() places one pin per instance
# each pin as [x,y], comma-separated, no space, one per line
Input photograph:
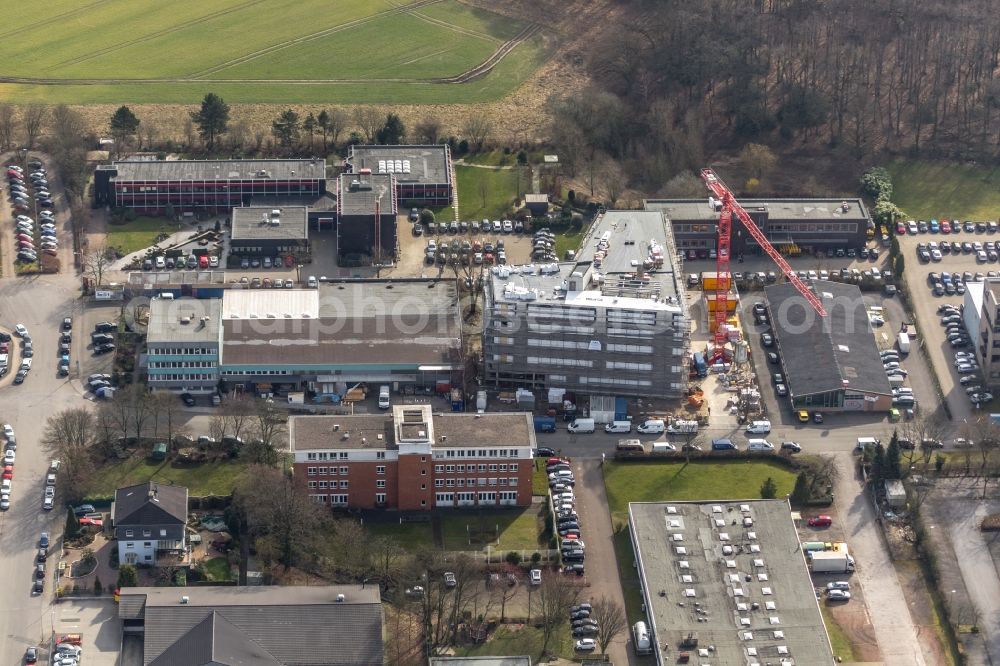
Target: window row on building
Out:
[188,351]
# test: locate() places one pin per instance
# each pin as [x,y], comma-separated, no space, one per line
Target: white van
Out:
[652,427]
[26,364]
[663,447]
[384,401]
[582,426]
[865,442]
[759,445]
[759,428]
[618,427]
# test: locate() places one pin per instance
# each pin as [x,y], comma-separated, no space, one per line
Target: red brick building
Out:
[412,459]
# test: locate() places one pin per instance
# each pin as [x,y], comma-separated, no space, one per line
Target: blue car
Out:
[935,227]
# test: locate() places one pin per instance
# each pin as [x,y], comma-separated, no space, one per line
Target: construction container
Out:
[710,280]
[732,299]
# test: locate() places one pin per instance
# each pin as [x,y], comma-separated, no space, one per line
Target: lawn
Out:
[491,158]
[256,51]
[926,189]
[202,479]
[520,639]
[217,569]
[539,478]
[568,238]
[138,234]
[410,536]
[501,191]
[501,530]
[843,649]
[697,481]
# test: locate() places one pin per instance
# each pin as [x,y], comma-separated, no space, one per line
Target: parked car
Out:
[820,521]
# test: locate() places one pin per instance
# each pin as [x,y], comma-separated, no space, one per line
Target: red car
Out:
[8,472]
[820,521]
[289,260]
[4,347]
[72,639]
[900,229]
[945,227]
[91,522]
[203,261]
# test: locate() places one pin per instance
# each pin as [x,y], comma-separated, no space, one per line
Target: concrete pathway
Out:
[897,636]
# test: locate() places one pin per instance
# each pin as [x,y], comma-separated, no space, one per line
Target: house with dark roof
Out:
[258,625]
[149,520]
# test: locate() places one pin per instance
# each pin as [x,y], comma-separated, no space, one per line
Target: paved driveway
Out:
[888,610]
[602,566]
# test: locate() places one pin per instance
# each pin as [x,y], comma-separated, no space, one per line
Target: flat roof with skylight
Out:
[730,575]
[270,222]
[409,164]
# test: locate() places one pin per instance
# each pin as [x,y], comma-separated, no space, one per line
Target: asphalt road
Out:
[40,304]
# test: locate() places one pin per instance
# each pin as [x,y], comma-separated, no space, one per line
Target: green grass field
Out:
[501,191]
[925,190]
[362,51]
[202,479]
[410,536]
[138,234]
[502,530]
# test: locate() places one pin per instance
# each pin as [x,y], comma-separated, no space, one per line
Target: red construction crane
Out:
[722,256]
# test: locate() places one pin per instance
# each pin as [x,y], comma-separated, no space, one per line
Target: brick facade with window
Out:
[412,460]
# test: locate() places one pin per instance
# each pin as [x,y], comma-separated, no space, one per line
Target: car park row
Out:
[30,243]
[965,362]
[487,251]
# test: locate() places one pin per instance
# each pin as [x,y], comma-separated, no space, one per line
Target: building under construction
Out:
[613,322]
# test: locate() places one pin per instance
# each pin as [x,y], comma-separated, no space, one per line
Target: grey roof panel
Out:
[160,170]
[183,320]
[821,354]
[428,164]
[212,641]
[248,223]
[298,626]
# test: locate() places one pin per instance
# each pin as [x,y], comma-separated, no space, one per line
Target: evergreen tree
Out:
[768,489]
[892,468]
[878,463]
[212,119]
[124,124]
[393,132]
[286,128]
[800,494]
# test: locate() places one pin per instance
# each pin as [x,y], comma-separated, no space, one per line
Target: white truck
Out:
[903,343]
[829,561]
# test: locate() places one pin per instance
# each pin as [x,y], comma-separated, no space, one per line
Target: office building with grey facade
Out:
[182,344]
[794,226]
[613,322]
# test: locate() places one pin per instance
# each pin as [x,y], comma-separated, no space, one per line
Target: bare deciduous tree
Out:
[428,130]
[68,437]
[284,522]
[477,128]
[369,119]
[611,621]
[7,118]
[555,596]
[33,116]
[238,413]
[96,261]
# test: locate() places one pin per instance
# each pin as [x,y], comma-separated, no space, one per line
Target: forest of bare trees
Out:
[676,80]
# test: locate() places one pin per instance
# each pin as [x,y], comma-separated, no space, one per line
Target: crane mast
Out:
[731,207]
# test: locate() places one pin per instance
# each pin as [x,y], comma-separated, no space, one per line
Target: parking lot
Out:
[926,301]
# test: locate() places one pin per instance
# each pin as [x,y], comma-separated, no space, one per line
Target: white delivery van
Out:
[759,428]
[903,343]
[652,427]
[759,445]
[896,380]
[26,364]
[683,427]
[663,447]
[384,401]
[618,427]
[865,442]
[581,426]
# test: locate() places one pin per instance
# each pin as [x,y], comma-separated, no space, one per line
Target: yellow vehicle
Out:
[803,416]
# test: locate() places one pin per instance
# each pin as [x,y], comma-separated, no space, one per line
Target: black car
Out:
[66,337]
[104,349]
[42,555]
[794,447]
[101,338]
[188,399]
[38,587]
[766,339]
[540,452]
[577,569]
[31,655]
[19,377]
[4,337]
[583,632]
[104,327]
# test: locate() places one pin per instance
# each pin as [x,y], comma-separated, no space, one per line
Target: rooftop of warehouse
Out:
[732,574]
[699,210]
[259,222]
[304,169]
[428,164]
[821,354]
